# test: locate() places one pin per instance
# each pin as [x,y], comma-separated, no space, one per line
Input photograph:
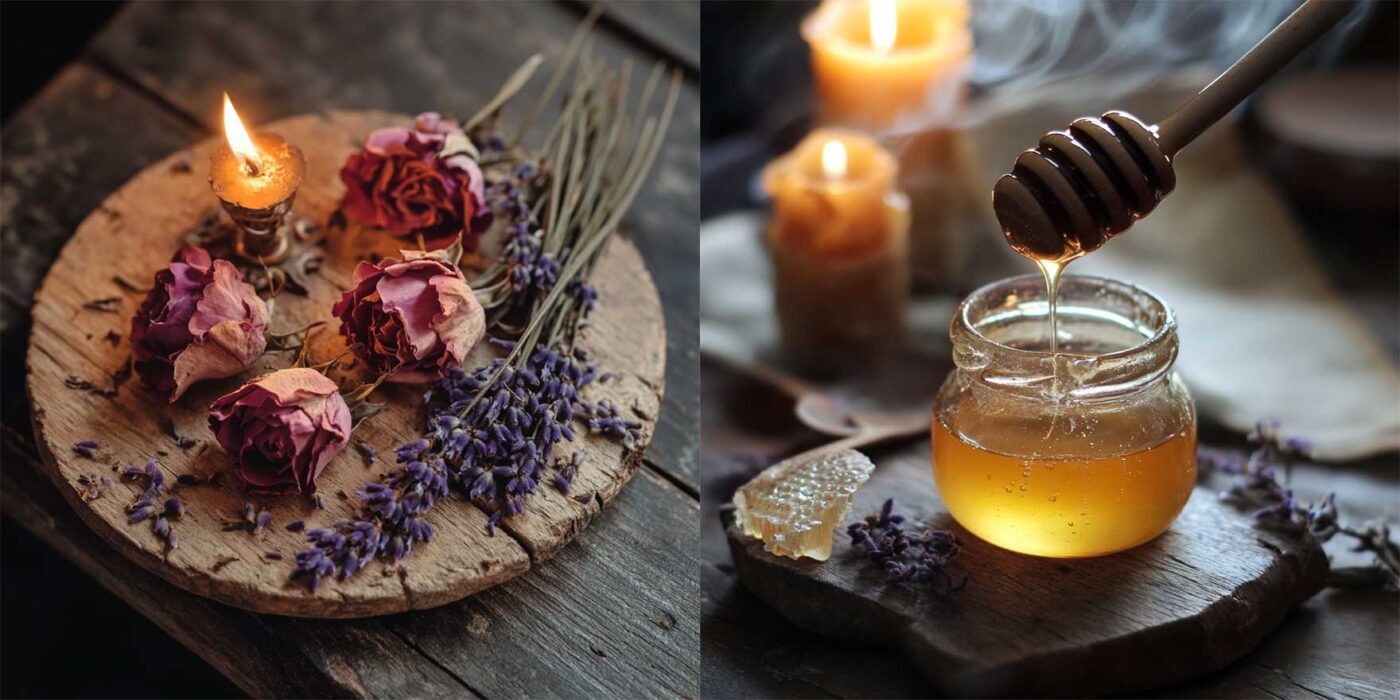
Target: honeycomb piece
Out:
[796,505]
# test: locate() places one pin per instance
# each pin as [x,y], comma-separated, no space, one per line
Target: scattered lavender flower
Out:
[273,555]
[189,479]
[1255,486]
[250,518]
[296,526]
[919,556]
[86,448]
[94,486]
[145,506]
[564,475]
[605,420]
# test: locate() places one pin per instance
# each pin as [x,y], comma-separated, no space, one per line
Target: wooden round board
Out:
[1189,602]
[134,233]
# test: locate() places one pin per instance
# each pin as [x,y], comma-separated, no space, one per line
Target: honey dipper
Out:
[1080,187]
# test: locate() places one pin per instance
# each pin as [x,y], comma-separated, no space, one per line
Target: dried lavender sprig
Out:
[1256,487]
[920,556]
[499,451]
[390,523]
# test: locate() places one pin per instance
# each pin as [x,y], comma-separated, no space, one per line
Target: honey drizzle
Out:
[1052,269]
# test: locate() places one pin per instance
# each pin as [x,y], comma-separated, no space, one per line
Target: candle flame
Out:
[834,160]
[239,140]
[884,24]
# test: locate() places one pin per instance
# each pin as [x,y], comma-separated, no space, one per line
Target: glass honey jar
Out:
[1084,452]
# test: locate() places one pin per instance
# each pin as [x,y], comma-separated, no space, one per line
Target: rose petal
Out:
[413,300]
[227,349]
[462,322]
[227,297]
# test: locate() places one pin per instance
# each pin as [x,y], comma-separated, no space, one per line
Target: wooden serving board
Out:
[1193,600]
[130,236]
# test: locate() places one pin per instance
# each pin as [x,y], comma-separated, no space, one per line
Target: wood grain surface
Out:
[1189,602]
[129,235]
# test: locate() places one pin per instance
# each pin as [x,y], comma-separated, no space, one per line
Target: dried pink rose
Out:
[402,183]
[416,317]
[199,321]
[282,430]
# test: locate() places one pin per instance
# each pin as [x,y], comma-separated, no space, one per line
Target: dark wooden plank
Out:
[616,614]
[53,175]
[749,651]
[265,655]
[281,59]
[671,27]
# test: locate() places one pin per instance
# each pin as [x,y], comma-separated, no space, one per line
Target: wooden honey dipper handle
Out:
[1286,41]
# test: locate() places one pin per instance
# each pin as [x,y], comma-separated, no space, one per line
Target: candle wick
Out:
[251,168]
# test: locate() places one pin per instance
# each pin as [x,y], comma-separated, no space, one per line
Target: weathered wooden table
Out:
[617,612]
[1339,644]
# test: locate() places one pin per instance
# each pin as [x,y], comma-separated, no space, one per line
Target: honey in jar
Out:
[1081,452]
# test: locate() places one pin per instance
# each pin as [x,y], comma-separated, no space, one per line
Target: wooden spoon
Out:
[819,411]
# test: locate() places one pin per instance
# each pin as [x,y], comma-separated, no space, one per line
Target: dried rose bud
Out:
[417,315]
[200,321]
[404,183]
[282,430]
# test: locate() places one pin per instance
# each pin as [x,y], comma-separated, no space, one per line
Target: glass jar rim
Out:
[1149,355]
[1163,330]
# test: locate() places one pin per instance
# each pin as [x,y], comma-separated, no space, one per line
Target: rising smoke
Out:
[1046,53]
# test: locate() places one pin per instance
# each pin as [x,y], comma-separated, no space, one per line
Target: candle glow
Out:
[839,242]
[834,160]
[884,24]
[877,62]
[239,140]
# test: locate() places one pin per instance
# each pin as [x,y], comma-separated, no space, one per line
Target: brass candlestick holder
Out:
[276,248]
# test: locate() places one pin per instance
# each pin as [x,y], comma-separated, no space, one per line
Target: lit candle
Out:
[256,178]
[880,64]
[254,172]
[839,245]
[877,62]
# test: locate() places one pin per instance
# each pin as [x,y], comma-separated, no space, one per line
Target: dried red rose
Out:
[403,183]
[416,317]
[199,321]
[282,430]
